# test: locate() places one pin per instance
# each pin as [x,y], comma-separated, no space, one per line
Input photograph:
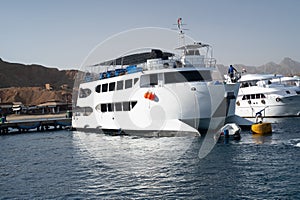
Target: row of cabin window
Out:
[85,111]
[112,86]
[119,106]
[253,96]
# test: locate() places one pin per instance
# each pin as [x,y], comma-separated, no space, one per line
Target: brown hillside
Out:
[32,95]
[26,83]
[19,75]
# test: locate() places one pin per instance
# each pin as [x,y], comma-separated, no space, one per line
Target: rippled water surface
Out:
[77,165]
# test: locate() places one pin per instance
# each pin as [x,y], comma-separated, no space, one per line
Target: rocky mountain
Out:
[287,67]
[33,95]
[20,75]
[26,83]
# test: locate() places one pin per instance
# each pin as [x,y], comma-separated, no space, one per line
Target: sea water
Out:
[78,165]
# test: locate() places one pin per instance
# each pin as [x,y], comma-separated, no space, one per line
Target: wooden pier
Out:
[26,125]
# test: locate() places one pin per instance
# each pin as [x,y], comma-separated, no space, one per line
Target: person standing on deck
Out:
[231,71]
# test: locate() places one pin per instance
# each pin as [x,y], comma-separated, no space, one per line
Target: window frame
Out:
[128,83]
[105,87]
[111,86]
[120,85]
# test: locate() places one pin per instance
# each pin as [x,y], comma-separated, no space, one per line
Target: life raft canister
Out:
[146,95]
[149,95]
[152,96]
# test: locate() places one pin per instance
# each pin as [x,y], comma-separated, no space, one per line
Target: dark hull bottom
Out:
[115,132]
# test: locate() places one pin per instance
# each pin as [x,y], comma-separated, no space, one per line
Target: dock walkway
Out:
[25,123]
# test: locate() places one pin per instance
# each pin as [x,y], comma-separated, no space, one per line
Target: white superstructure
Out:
[293,82]
[261,93]
[155,93]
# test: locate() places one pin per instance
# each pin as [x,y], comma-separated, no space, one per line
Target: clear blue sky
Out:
[61,33]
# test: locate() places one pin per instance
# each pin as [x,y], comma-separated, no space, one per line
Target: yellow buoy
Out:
[261,128]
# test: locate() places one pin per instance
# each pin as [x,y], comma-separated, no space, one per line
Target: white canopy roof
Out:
[192,46]
[258,77]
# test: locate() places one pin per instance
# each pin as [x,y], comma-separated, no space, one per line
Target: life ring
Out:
[278,99]
[238,103]
[249,102]
[263,102]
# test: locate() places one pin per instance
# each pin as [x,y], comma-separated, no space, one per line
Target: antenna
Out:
[180,29]
[180,25]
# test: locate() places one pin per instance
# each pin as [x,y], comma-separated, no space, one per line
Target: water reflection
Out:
[129,150]
[262,138]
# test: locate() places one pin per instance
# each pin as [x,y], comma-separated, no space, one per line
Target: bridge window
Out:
[153,79]
[149,80]
[186,76]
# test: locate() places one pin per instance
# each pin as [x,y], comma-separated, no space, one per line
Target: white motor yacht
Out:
[156,93]
[260,93]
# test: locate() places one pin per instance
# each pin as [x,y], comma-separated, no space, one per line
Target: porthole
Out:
[278,99]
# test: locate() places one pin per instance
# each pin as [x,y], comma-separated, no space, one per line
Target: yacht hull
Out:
[177,110]
[282,107]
